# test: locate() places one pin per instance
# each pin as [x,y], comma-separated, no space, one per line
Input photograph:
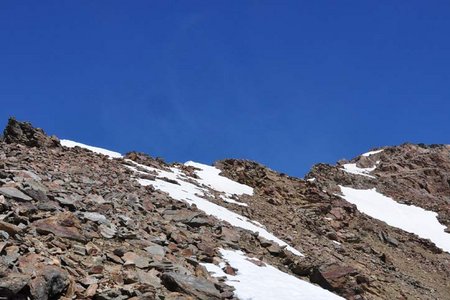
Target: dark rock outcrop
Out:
[24,133]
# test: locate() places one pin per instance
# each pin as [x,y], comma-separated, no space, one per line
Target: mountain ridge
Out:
[122,206]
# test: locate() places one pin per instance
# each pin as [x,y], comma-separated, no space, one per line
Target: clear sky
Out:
[285,83]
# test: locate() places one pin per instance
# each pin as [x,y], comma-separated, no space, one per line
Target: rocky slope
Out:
[75,224]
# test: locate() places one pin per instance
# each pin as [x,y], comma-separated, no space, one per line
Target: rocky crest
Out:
[78,225]
[24,133]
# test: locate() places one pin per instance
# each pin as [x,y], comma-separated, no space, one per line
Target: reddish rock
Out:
[332,277]
[9,228]
[64,225]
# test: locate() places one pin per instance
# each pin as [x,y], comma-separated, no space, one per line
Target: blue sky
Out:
[285,83]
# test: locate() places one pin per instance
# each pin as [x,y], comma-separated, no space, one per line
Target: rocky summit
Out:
[80,222]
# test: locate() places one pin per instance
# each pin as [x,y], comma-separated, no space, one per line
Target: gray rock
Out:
[66,201]
[197,287]
[14,193]
[50,283]
[156,250]
[4,235]
[149,278]
[25,174]
[36,190]
[11,285]
[95,217]
[108,231]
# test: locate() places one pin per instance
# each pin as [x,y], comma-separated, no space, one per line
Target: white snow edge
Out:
[71,144]
[372,152]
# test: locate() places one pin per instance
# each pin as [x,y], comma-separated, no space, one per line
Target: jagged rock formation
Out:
[24,133]
[76,224]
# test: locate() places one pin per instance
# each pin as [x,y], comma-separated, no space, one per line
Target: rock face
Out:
[78,225]
[25,133]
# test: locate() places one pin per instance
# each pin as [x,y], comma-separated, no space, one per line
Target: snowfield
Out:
[265,282]
[410,218]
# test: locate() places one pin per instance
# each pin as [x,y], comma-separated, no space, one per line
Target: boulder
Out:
[197,287]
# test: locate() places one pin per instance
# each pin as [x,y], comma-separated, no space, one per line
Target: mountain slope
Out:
[77,223]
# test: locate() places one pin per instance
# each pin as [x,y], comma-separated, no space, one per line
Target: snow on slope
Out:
[210,176]
[407,217]
[265,282]
[353,169]
[71,144]
[372,152]
[194,194]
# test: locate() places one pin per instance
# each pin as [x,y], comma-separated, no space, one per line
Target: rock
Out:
[108,231]
[63,225]
[197,287]
[388,239]
[228,235]
[79,249]
[95,217]
[156,250]
[91,290]
[256,262]
[47,205]
[274,201]
[25,175]
[12,285]
[24,133]
[11,229]
[14,193]
[12,254]
[111,294]
[302,267]
[35,189]
[265,242]
[97,269]
[92,249]
[4,235]
[149,278]
[67,201]
[50,283]
[37,195]
[332,277]
[276,250]
[114,258]
[28,263]
[132,258]
[230,270]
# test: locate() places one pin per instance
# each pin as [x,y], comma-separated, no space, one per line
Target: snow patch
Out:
[265,282]
[372,152]
[353,169]
[410,218]
[210,177]
[71,144]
